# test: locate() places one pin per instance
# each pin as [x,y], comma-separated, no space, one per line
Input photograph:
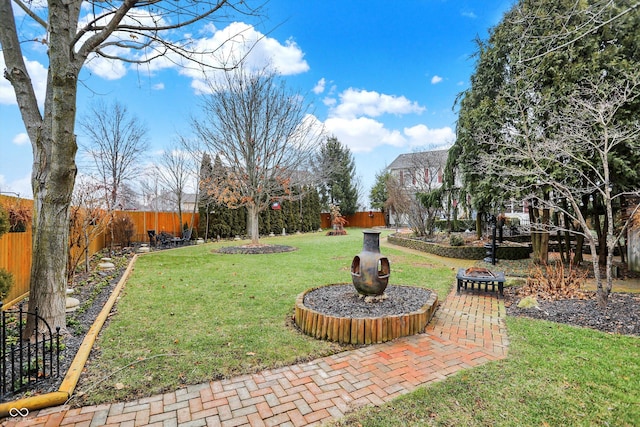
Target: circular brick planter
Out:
[363,330]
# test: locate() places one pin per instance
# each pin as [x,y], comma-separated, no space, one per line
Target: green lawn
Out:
[554,375]
[191,315]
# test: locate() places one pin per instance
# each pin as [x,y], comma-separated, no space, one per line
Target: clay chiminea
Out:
[370,270]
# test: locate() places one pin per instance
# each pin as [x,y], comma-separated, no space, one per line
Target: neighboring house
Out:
[424,171]
[417,173]
[166,202]
[189,202]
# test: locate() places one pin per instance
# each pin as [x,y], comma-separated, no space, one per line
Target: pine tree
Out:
[337,171]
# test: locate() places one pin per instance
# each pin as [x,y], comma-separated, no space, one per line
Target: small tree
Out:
[398,203]
[122,229]
[175,172]
[88,219]
[379,194]
[336,171]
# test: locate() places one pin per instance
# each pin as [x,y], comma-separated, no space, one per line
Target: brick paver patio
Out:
[467,330]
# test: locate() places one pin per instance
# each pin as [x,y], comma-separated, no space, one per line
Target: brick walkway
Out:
[467,330]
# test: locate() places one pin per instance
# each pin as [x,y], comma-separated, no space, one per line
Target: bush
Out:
[122,230]
[19,217]
[4,221]
[457,226]
[456,240]
[6,282]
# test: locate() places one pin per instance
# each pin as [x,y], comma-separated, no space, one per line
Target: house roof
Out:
[410,160]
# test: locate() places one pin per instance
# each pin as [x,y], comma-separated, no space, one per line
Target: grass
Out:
[554,375]
[191,315]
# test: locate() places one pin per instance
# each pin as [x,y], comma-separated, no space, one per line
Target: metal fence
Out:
[25,362]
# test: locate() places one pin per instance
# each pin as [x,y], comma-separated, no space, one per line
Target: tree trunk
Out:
[252,223]
[54,171]
[578,256]
[53,177]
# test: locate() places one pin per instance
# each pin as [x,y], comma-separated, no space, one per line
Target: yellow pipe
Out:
[9,304]
[73,374]
[17,407]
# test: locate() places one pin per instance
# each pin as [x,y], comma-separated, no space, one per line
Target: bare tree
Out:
[176,169]
[116,144]
[398,202]
[133,31]
[264,135]
[88,219]
[426,171]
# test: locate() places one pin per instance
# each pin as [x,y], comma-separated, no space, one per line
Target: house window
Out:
[426,175]
[401,178]
[440,176]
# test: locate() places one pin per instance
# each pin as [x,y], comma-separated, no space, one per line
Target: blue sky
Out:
[382,76]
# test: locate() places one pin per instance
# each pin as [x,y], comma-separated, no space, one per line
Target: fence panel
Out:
[359,219]
[15,252]
[158,221]
[15,257]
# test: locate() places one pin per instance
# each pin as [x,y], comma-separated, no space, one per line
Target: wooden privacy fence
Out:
[15,248]
[159,222]
[359,219]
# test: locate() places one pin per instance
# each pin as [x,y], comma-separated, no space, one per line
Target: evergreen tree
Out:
[550,118]
[379,194]
[337,174]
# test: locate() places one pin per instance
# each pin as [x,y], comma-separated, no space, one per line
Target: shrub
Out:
[4,221]
[19,216]
[122,230]
[456,240]
[6,282]
[456,226]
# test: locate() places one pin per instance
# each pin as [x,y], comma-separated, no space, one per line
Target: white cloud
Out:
[469,14]
[363,134]
[238,40]
[21,139]
[22,186]
[421,136]
[436,79]
[106,68]
[158,86]
[329,102]
[319,87]
[37,73]
[354,103]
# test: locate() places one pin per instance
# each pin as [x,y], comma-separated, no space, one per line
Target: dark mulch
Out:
[620,316]
[342,300]
[256,249]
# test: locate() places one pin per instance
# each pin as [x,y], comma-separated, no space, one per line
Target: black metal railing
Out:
[25,362]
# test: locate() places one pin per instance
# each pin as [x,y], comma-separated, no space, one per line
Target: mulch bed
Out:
[620,316]
[342,300]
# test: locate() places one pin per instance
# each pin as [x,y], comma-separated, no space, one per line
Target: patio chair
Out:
[186,237]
